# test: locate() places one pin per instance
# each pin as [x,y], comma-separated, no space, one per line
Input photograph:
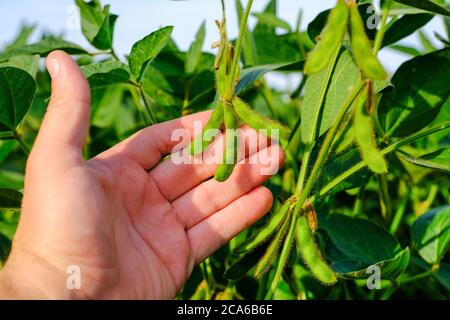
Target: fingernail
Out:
[53,67]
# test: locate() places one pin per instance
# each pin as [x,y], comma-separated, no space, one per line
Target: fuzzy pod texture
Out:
[362,49]
[230,157]
[311,254]
[201,142]
[258,121]
[330,39]
[365,136]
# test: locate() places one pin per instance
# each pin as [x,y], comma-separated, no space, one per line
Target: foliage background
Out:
[411,190]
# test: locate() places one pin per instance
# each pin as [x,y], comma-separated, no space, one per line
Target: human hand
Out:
[134,225]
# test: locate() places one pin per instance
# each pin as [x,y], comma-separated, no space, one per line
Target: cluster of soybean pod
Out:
[230,110]
[343,19]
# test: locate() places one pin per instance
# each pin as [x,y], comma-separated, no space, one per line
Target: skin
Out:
[135,225]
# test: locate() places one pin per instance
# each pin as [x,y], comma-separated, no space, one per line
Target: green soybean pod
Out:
[330,39]
[230,157]
[310,253]
[202,141]
[258,121]
[365,137]
[266,260]
[362,49]
[263,235]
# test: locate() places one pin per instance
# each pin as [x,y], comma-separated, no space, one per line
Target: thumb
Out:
[66,123]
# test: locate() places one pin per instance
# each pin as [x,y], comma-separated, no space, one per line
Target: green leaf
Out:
[431,234]
[361,244]
[146,49]
[241,267]
[17,89]
[97,24]
[421,89]
[345,76]
[404,27]
[263,29]
[106,73]
[439,160]
[273,48]
[426,5]
[195,51]
[43,48]
[338,164]
[390,269]
[10,199]
[22,37]
[252,74]
[271,20]
[28,63]
[106,107]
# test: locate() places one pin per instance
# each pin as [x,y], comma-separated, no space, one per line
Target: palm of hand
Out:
[133,225]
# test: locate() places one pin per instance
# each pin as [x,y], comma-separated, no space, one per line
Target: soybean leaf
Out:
[439,160]
[17,89]
[97,24]
[390,269]
[5,247]
[361,244]
[421,89]
[431,234]
[28,63]
[241,267]
[195,51]
[249,52]
[106,106]
[146,49]
[345,76]
[106,73]
[43,48]
[22,37]
[271,20]
[274,48]
[250,75]
[405,26]
[426,5]
[263,29]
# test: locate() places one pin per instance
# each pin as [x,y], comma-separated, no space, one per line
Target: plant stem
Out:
[149,109]
[326,146]
[380,34]
[385,151]
[25,148]
[238,50]
[309,141]
[399,213]
[138,104]
[284,256]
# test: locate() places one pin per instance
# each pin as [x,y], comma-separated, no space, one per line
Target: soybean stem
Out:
[25,148]
[326,146]
[380,34]
[238,50]
[284,256]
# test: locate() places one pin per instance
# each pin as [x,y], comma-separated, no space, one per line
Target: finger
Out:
[212,196]
[147,146]
[66,122]
[195,170]
[209,235]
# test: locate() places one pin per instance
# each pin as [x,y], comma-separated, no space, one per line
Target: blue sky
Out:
[137,18]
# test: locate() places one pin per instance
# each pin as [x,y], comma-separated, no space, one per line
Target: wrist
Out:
[27,276]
